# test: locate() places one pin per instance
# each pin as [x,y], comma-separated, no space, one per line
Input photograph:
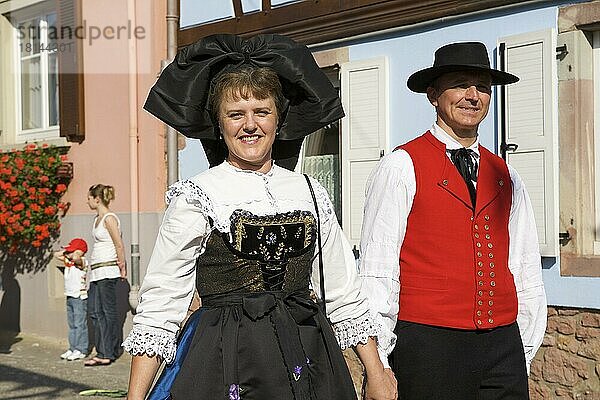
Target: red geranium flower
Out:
[30,194]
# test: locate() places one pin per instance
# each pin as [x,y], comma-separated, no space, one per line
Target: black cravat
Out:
[467,167]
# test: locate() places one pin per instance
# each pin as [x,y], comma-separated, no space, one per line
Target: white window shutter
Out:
[364,134]
[531,123]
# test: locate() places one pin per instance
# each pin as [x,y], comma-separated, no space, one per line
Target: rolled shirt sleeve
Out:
[525,264]
[389,195]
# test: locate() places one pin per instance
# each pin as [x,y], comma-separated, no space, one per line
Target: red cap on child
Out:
[76,244]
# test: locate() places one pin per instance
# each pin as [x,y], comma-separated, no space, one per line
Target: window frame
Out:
[596,80]
[46,131]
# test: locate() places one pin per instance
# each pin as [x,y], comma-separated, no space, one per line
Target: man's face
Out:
[462,100]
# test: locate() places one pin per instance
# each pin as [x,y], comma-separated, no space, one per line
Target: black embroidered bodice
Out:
[265,253]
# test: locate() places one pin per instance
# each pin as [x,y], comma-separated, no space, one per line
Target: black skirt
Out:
[263,346]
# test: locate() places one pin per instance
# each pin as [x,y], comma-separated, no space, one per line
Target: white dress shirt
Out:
[391,189]
[206,202]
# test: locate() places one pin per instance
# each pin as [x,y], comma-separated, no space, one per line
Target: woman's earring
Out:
[276,133]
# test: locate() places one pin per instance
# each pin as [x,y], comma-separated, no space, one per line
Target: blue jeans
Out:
[103,313]
[77,321]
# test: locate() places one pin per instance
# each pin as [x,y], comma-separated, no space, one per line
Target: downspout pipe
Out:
[172,28]
[133,160]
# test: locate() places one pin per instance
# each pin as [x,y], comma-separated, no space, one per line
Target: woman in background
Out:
[107,265]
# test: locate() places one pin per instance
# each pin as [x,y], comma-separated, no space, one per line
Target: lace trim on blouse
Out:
[386,340]
[351,332]
[194,194]
[152,342]
[325,206]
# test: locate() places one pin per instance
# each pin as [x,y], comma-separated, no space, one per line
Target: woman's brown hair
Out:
[258,82]
[105,193]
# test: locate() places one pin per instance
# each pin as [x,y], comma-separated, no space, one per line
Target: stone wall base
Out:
[567,366]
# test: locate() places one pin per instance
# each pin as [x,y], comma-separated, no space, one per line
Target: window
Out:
[37,74]
[41,68]
[321,153]
[194,12]
[251,5]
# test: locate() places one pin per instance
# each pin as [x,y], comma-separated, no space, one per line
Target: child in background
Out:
[75,273]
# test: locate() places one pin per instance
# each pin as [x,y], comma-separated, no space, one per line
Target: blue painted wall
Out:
[192,159]
[194,12]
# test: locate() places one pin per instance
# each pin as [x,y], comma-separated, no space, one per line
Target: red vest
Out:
[454,260]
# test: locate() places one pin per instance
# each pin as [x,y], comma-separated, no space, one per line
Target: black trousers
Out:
[102,308]
[433,363]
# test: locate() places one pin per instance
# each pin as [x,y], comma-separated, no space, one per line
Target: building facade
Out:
[547,126]
[74,74]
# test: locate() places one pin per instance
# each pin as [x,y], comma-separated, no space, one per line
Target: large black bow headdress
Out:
[180,96]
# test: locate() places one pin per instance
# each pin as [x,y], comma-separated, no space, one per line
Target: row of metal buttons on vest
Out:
[484,267]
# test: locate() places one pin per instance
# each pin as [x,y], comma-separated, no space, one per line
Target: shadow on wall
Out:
[32,261]
[24,261]
[10,310]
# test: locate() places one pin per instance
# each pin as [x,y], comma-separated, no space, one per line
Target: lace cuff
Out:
[386,339]
[351,332]
[151,341]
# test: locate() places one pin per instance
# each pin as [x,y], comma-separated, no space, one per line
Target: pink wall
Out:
[104,155]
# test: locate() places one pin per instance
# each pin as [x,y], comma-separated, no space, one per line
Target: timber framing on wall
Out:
[580,252]
[319,21]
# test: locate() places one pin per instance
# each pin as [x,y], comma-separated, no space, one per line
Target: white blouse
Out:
[104,250]
[391,189]
[206,202]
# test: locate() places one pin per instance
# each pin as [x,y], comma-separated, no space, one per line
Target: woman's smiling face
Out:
[249,128]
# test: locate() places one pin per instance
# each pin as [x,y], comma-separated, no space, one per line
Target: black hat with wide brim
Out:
[180,97]
[464,56]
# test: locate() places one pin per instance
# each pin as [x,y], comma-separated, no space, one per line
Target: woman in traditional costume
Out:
[255,239]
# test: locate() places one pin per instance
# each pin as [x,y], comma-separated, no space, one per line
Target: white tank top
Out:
[104,251]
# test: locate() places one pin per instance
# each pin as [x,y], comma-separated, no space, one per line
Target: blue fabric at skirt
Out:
[162,388]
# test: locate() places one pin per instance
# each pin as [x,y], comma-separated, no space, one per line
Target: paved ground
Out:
[30,368]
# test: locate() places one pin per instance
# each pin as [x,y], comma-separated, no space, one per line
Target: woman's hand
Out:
[380,385]
[122,269]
